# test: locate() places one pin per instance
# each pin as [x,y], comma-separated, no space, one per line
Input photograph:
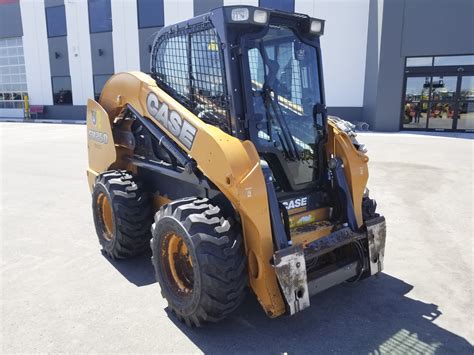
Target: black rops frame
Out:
[232,37]
[237,73]
[300,27]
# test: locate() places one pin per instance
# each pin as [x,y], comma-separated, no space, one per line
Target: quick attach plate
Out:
[290,267]
[376,233]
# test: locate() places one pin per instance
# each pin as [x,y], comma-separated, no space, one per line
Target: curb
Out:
[21,120]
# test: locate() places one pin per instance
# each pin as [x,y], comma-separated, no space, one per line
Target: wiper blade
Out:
[269,101]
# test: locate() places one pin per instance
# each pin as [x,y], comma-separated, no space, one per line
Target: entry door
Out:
[465,114]
[439,102]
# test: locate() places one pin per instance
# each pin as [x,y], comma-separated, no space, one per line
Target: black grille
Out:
[188,64]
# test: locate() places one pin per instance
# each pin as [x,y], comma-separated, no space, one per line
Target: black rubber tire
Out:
[131,214]
[218,259]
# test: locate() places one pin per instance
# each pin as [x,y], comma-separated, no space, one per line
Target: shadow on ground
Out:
[137,270]
[373,316]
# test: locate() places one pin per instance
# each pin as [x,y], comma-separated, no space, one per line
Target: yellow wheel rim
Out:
[180,266]
[105,212]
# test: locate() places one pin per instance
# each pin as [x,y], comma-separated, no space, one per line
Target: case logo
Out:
[171,120]
[296,203]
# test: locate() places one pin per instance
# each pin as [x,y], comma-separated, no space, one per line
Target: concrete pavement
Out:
[60,294]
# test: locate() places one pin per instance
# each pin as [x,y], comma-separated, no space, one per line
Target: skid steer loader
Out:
[225,162]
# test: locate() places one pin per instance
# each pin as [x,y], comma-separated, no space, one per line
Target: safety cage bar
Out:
[188,64]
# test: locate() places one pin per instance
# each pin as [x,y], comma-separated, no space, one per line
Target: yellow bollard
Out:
[27,107]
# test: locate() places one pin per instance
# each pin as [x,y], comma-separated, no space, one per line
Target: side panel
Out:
[100,142]
[232,165]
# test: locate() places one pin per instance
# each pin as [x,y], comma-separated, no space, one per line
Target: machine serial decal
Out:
[99,137]
[171,120]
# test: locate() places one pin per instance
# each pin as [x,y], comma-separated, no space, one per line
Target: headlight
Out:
[240,14]
[317,26]
[260,16]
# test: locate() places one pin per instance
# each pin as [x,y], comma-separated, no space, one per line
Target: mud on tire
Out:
[199,260]
[122,214]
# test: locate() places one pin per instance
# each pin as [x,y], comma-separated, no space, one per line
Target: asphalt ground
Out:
[60,294]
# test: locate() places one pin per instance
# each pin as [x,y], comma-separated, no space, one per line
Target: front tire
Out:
[122,214]
[199,260]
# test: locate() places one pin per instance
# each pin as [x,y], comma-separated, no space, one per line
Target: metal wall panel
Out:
[125,35]
[177,10]
[203,6]
[146,37]
[450,23]
[102,63]
[35,47]
[51,3]
[79,46]
[65,112]
[10,20]
[402,36]
[58,56]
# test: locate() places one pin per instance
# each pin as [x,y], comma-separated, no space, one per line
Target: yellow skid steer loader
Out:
[224,161]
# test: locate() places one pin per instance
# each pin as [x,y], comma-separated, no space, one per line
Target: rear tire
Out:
[122,214]
[199,260]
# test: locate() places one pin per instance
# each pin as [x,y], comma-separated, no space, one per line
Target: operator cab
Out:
[256,74]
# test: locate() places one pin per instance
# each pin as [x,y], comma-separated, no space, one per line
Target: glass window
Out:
[420,62]
[467,88]
[466,116]
[441,115]
[454,60]
[62,91]
[415,110]
[284,5]
[100,16]
[56,21]
[99,82]
[417,89]
[285,84]
[414,115]
[12,78]
[443,87]
[150,13]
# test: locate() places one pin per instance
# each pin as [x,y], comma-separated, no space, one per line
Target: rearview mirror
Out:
[320,116]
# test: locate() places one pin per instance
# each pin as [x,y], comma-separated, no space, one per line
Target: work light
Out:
[240,14]
[260,16]
[317,26]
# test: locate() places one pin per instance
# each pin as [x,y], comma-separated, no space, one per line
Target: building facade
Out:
[395,64]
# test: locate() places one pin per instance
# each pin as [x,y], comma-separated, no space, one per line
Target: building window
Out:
[56,21]
[440,61]
[439,93]
[12,73]
[283,5]
[420,62]
[100,16]
[99,82]
[150,13]
[454,60]
[62,92]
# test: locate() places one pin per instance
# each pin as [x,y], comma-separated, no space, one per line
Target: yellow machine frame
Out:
[231,164]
